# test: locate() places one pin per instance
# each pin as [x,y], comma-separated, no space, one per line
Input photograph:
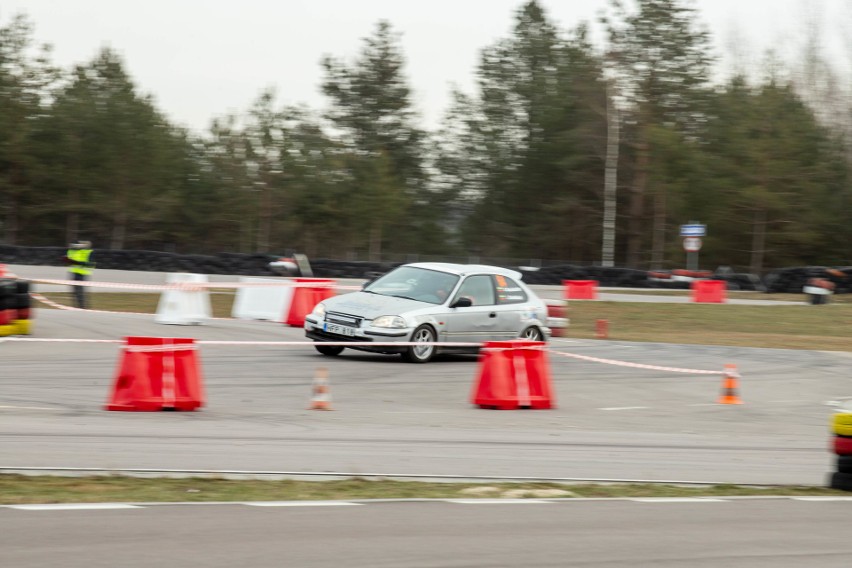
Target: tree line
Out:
[566,151]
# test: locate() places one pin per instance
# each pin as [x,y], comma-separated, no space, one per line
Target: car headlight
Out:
[395,322]
[318,311]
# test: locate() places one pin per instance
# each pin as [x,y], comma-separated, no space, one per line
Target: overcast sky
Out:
[205,58]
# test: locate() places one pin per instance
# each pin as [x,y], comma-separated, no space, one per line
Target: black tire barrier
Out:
[8,291]
[841,481]
[21,301]
[844,464]
[789,280]
[793,280]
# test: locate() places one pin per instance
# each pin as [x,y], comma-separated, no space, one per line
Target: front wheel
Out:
[532,334]
[421,353]
[329,350]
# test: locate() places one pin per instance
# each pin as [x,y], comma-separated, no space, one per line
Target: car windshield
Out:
[424,285]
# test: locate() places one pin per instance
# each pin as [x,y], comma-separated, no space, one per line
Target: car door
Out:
[512,308]
[478,322]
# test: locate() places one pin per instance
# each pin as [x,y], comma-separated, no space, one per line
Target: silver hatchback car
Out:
[429,303]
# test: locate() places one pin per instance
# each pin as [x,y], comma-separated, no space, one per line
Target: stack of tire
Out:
[841,478]
[15,308]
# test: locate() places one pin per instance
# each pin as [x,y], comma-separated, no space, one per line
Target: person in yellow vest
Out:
[80,266]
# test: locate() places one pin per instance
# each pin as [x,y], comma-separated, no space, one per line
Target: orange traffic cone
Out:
[729,386]
[322,398]
[602,329]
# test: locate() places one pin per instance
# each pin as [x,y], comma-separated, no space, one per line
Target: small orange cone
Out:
[729,386]
[322,398]
[602,329]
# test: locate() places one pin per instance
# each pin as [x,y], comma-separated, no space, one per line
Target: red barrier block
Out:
[580,289]
[513,374]
[306,295]
[157,373]
[710,291]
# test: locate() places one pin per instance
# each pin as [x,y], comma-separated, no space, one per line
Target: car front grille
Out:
[343,319]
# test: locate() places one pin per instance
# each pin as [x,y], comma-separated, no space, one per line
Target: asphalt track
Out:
[611,422]
[709,533]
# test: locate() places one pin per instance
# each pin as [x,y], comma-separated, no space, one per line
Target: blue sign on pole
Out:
[693,230]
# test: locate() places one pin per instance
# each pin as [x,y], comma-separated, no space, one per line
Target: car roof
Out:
[464,269]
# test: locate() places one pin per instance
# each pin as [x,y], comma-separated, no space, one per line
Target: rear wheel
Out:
[329,350]
[421,353]
[532,334]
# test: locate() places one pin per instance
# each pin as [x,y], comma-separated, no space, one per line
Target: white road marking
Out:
[677,500]
[496,501]
[818,498]
[298,503]
[624,408]
[29,408]
[663,500]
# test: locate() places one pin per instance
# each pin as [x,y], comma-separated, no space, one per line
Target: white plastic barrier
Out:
[184,306]
[263,302]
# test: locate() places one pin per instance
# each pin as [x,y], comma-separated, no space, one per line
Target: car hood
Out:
[370,306]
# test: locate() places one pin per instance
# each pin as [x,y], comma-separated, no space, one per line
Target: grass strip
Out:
[18,489]
[823,327]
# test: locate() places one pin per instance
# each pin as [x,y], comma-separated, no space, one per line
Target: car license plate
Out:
[339,329]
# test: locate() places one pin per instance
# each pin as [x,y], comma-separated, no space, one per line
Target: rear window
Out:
[509,291]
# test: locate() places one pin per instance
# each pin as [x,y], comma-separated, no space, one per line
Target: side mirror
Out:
[463,302]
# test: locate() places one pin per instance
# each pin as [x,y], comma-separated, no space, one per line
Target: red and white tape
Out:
[189,286]
[166,348]
[636,365]
[58,306]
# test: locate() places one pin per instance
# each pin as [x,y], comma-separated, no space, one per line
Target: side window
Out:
[479,289]
[509,292]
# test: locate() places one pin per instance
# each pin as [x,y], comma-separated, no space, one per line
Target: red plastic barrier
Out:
[710,291]
[580,289]
[513,374]
[305,297]
[157,373]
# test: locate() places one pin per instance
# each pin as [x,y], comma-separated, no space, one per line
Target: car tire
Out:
[329,350]
[532,333]
[421,353]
